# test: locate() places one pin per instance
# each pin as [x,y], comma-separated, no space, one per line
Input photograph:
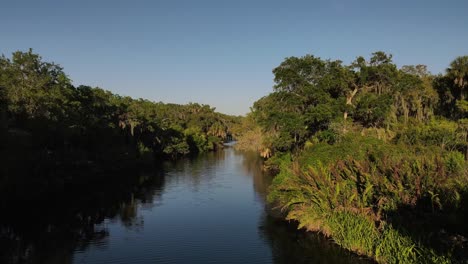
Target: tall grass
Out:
[349,199]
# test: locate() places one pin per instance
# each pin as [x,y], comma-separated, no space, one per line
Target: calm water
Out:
[205,210]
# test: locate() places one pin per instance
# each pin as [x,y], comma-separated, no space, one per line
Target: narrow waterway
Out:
[210,209]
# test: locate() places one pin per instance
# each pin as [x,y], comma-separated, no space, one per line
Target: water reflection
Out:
[288,244]
[50,229]
[252,165]
[205,209]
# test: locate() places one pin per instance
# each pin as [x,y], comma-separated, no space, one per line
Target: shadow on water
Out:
[252,165]
[50,225]
[49,228]
[290,245]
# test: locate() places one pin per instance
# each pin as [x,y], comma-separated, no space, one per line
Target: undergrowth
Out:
[350,198]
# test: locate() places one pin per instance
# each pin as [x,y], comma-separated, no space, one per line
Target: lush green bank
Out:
[378,199]
[369,154]
[48,125]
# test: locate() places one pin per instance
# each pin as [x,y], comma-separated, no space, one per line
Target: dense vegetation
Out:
[372,155]
[369,154]
[47,125]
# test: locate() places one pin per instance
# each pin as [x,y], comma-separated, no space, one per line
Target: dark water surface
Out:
[210,209]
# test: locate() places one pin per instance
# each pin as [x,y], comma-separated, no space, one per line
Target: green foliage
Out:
[196,140]
[213,142]
[328,136]
[350,145]
[414,97]
[32,87]
[249,135]
[176,147]
[39,99]
[349,198]
[462,107]
[442,133]
[458,72]
[455,162]
[372,110]
[279,160]
[375,147]
[452,89]
[312,93]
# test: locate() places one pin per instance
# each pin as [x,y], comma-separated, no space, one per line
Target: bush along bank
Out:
[381,200]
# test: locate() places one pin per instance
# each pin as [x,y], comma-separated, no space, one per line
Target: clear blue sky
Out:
[222,52]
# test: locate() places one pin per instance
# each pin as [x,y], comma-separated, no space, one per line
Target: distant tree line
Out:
[42,111]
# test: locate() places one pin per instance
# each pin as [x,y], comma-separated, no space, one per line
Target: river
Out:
[209,209]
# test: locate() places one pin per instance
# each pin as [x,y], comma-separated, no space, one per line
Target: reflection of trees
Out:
[290,245]
[53,228]
[72,217]
[252,164]
[50,229]
[195,170]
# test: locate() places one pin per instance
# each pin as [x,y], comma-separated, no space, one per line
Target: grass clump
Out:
[355,199]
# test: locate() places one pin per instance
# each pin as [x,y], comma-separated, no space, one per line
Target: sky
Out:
[220,52]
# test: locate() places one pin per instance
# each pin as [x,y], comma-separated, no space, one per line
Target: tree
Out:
[295,75]
[418,70]
[37,99]
[33,87]
[413,94]
[458,72]
[282,117]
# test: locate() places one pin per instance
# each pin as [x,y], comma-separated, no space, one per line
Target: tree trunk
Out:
[466,153]
[349,101]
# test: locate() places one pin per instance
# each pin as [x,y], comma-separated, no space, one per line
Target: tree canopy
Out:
[313,97]
[40,102]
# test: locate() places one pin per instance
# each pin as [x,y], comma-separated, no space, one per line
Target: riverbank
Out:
[377,199]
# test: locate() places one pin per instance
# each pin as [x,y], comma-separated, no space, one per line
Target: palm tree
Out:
[459,72]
